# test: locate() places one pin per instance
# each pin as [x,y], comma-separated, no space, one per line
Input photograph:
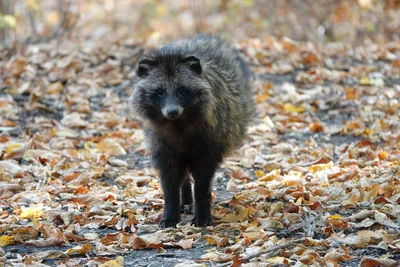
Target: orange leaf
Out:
[316,127]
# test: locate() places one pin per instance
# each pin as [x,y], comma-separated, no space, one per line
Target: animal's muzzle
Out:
[172,112]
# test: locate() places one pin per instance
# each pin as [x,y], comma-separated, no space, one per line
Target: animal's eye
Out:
[160,92]
[183,91]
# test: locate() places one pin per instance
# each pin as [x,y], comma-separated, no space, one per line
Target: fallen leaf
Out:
[6,240]
[31,212]
[111,147]
[118,262]
[373,262]
[80,250]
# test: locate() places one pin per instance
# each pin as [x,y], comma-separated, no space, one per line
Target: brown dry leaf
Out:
[11,187]
[217,256]
[269,176]
[316,127]
[51,242]
[42,154]
[115,238]
[335,256]
[352,93]
[55,88]
[73,237]
[52,232]
[111,147]
[243,215]
[269,223]
[16,66]
[218,241]
[373,262]
[184,243]
[88,200]
[25,233]
[153,241]
[237,262]
[51,254]
[74,120]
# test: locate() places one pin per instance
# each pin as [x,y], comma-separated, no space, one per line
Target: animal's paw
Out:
[187,209]
[168,224]
[201,221]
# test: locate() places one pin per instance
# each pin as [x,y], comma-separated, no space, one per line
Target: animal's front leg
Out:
[171,175]
[203,173]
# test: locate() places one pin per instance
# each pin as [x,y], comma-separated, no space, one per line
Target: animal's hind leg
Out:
[187,195]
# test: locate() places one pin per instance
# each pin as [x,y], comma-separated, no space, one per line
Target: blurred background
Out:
[318,21]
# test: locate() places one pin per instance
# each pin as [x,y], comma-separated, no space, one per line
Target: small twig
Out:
[267,256]
[273,249]
[268,253]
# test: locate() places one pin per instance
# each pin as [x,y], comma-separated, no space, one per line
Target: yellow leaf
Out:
[11,147]
[259,173]
[290,108]
[270,176]
[81,250]
[336,217]
[217,241]
[6,240]
[319,167]
[118,262]
[368,131]
[32,212]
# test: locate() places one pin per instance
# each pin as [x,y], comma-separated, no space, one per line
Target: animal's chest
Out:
[186,145]
[183,144]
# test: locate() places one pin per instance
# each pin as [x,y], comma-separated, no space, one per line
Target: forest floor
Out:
[317,181]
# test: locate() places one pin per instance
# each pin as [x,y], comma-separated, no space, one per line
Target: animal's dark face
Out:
[170,88]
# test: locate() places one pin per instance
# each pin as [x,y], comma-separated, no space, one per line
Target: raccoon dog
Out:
[194,98]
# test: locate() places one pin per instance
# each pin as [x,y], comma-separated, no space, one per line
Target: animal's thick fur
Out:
[217,108]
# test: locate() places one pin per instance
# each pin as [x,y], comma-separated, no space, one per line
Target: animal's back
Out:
[232,87]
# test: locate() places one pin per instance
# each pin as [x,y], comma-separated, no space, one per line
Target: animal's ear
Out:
[144,67]
[193,63]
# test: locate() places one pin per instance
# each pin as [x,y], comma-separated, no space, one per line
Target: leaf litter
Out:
[316,183]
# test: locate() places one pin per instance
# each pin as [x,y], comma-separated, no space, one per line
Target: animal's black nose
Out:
[172,112]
